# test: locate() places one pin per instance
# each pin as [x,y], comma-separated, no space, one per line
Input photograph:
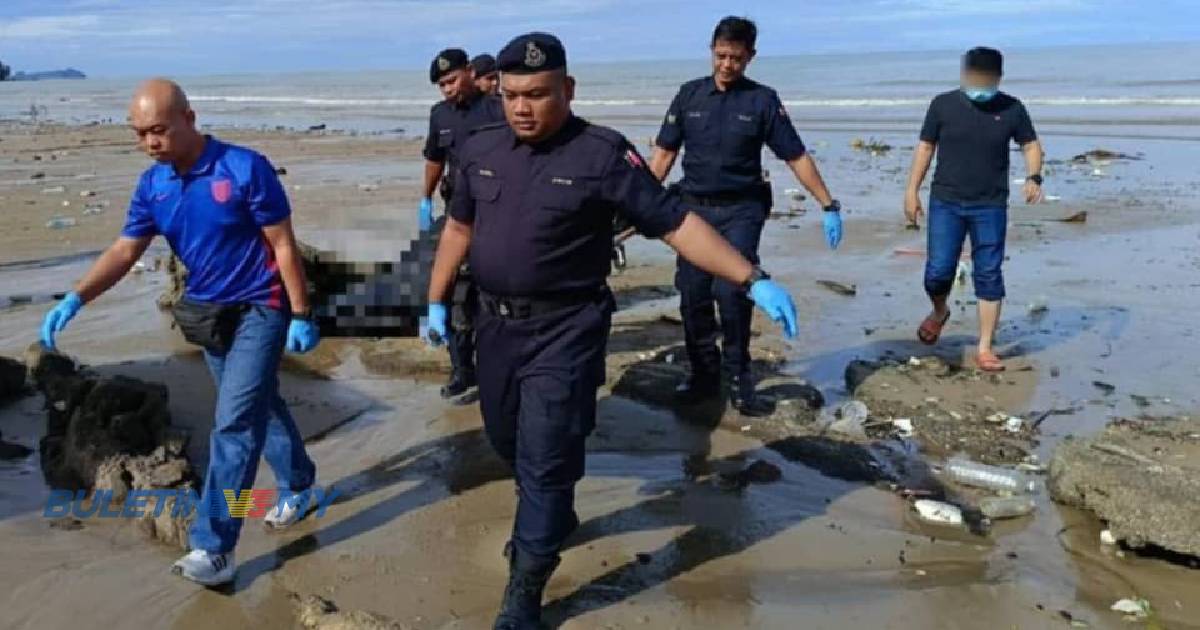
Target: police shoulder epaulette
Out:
[610,136]
[488,127]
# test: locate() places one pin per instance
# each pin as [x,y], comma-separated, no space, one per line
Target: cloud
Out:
[47,26]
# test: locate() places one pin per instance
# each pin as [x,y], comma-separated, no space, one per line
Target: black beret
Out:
[532,52]
[984,59]
[483,64]
[447,61]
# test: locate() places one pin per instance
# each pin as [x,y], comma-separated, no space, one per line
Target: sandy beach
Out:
[426,507]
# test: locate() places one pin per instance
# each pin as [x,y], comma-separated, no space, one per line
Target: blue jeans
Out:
[949,225]
[252,420]
[741,224]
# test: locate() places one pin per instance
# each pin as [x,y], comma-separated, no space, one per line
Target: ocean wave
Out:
[1052,101]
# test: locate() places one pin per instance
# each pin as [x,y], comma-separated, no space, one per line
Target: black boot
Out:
[460,381]
[462,363]
[698,387]
[527,577]
[743,398]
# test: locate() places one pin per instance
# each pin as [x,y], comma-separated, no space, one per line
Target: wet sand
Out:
[428,507]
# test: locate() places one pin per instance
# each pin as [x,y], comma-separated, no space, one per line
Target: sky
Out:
[177,37]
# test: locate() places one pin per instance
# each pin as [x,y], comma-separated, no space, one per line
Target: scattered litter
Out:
[794,194]
[87,193]
[280,170]
[848,290]
[746,428]
[969,473]
[320,127]
[59,223]
[938,512]
[875,147]
[1053,198]
[1107,538]
[1038,306]
[66,204]
[1137,608]
[54,190]
[38,175]
[1101,155]
[1014,424]
[914,361]
[1078,217]
[904,426]
[848,418]
[1104,387]
[1006,507]
[91,209]
[368,187]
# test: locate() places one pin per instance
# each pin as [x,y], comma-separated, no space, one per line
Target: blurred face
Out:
[165,134]
[729,61]
[457,85]
[537,105]
[979,80]
[488,83]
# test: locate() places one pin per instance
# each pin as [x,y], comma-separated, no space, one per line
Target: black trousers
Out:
[537,389]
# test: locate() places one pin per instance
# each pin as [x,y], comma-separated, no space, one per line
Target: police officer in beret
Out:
[724,120]
[534,206]
[487,78]
[463,109]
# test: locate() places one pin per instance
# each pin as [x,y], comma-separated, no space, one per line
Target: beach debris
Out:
[938,512]
[59,223]
[1102,155]
[1107,388]
[87,193]
[1038,306]
[759,472]
[317,613]
[1052,198]
[849,290]
[12,450]
[1078,217]
[320,127]
[54,190]
[1134,607]
[904,426]
[279,170]
[38,175]
[368,187]
[795,194]
[1006,507]
[66,204]
[1014,424]
[849,418]
[971,473]
[93,209]
[12,379]
[1107,538]
[873,146]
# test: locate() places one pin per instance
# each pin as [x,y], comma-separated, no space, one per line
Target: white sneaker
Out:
[288,511]
[202,567]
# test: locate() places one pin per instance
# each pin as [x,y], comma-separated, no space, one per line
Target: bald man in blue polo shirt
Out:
[225,214]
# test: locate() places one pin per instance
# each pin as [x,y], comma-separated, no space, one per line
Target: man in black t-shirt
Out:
[970,130]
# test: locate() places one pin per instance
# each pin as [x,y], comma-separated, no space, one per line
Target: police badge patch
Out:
[671,119]
[443,64]
[534,57]
[633,159]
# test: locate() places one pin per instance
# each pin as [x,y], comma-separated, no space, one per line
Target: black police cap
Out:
[532,52]
[448,60]
[483,64]
[984,59]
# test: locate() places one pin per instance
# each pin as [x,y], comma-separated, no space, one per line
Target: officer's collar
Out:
[204,164]
[741,83]
[468,102]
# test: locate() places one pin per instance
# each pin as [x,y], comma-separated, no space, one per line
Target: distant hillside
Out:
[69,73]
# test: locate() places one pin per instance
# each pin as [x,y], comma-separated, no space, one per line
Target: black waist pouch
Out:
[210,326]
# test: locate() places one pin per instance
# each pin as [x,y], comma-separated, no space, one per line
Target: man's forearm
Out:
[698,243]
[452,249]
[112,265]
[661,162]
[1033,157]
[922,158]
[805,170]
[291,268]
[433,173]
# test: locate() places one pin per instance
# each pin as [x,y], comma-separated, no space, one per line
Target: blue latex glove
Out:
[425,214]
[302,336]
[436,334]
[776,303]
[833,229]
[56,320]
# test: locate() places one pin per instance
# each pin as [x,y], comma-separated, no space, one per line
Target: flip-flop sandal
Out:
[931,329]
[989,363]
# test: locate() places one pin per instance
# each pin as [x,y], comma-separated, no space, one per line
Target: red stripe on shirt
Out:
[275,297]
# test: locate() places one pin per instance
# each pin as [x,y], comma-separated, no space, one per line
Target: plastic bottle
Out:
[59,223]
[969,473]
[1006,507]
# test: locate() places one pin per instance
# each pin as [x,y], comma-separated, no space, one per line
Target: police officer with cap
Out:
[534,207]
[463,109]
[724,120]
[487,77]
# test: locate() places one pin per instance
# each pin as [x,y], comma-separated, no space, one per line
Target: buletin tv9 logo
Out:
[182,503]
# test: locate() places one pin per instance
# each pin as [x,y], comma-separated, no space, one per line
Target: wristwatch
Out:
[1036,178]
[834,206]
[756,274]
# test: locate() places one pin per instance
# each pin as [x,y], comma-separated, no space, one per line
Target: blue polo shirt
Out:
[213,218]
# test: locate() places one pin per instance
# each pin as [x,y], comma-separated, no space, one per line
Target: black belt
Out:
[724,198]
[537,305]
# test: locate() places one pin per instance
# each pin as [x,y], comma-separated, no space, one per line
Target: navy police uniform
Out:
[450,124]
[542,217]
[723,133]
